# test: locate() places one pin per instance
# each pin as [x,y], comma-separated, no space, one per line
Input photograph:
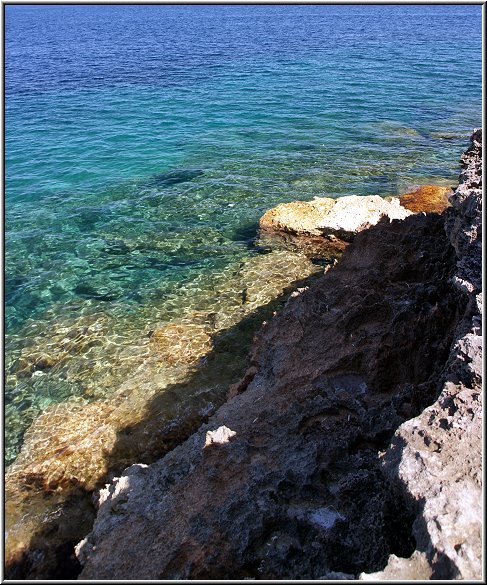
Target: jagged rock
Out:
[299,491]
[435,459]
[464,223]
[286,495]
[178,379]
[415,567]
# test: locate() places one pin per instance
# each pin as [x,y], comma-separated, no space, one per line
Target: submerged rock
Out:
[183,341]
[173,380]
[64,340]
[175,177]
[300,488]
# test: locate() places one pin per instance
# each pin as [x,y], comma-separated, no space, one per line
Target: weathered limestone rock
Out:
[324,226]
[435,459]
[323,216]
[465,225]
[222,435]
[300,489]
[176,382]
[416,567]
[297,491]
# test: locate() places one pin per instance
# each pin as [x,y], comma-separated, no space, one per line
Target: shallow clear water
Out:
[143,143]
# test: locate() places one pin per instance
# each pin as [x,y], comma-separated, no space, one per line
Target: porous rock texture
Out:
[435,459]
[323,227]
[342,217]
[325,464]
[178,379]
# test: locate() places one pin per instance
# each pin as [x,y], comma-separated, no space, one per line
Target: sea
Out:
[144,142]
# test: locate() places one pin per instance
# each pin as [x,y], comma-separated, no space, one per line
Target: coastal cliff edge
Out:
[352,446]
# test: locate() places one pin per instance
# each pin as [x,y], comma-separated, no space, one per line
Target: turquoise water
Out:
[143,143]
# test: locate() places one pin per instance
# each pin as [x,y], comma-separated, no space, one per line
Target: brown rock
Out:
[181,377]
[183,342]
[342,217]
[325,226]
[297,491]
[299,217]
[427,198]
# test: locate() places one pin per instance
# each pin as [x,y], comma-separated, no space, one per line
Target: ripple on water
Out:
[164,382]
[134,186]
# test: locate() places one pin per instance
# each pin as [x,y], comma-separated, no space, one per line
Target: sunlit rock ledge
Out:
[352,446]
[325,226]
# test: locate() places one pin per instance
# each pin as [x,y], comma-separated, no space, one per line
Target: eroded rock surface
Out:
[324,226]
[435,459]
[297,487]
[176,382]
[334,221]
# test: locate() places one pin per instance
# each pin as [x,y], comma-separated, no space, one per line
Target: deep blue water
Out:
[143,143]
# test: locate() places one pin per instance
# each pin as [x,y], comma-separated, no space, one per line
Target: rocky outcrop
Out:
[435,459]
[351,444]
[323,216]
[179,375]
[335,221]
[324,226]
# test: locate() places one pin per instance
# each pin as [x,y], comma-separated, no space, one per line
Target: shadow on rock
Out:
[297,490]
[58,499]
[435,459]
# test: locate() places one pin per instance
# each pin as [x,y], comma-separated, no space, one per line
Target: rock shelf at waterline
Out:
[353,442]
[325,226]
[369,357]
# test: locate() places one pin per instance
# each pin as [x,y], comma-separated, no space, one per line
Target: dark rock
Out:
[301,489]
[170,178]
[435,459]
[99,293]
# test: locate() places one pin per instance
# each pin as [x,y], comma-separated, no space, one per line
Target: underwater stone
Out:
[174,177]
[99,293]
[181,342]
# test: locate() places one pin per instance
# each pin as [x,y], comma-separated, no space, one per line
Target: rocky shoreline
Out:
[317,462]
[352,446]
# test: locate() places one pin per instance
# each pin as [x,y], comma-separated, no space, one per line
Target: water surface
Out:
[143,143]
